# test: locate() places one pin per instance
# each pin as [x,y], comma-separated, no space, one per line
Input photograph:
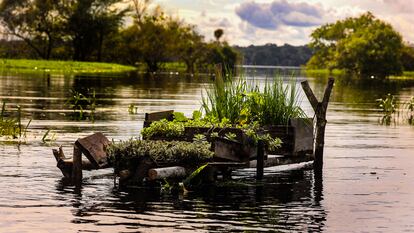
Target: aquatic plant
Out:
[410,109]
[79,102]
[388,108]
[242,103]
[132,109]
[12,127]
[122,153]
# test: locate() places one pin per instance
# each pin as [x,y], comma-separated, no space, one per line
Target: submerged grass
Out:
[61,67]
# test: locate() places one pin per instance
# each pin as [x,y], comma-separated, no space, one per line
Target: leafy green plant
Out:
[79,102]
[231,136]
[163,128]
[122,153]
[388,108]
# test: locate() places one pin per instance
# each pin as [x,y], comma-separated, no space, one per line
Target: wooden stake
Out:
[260,160]
[320,109]
[77,166]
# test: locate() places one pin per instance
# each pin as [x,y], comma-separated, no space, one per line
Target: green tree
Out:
[88,24]
[37,22]
[407,57]
[364,46]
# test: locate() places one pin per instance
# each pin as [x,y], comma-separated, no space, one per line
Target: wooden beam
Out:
[309,93]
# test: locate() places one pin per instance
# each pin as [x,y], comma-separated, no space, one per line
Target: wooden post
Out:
[77,166]
[260,160]
[320,109]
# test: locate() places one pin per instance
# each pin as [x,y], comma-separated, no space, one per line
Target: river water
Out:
[367,185]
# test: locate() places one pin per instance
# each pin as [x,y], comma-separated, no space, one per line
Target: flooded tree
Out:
[364,46]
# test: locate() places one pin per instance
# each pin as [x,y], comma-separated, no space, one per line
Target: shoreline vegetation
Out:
[61,67]
[406,75]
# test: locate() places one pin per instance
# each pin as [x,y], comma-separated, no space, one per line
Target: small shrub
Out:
[122,153]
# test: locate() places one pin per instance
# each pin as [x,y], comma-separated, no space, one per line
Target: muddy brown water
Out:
[367,185]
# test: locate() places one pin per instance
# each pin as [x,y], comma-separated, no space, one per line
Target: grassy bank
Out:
[61,67]
[337,72]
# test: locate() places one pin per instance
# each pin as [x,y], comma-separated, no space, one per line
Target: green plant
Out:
[132,109]
[121,154]
[231,136]
[241,103]
[79,102]
[388,108]
[410,108]
[10,126]
[47,138]
[163,128]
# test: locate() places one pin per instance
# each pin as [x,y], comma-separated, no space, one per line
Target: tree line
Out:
[101,30]
[273,55]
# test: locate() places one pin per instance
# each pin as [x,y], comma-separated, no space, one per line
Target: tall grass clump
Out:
[12,126]
[242,102]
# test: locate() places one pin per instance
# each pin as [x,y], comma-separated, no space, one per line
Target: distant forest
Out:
[273,55]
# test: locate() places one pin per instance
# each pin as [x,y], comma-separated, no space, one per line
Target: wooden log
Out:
[93,147]
[260,160]
[320,109]
[277,160]
[86,165]
[166,172]
[77,166]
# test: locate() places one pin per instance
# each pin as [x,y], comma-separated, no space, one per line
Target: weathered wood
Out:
[144,164]
[260,160]
[277,160]
[77,166]
[285,133]
[156,116]
[233,151]
[320,109]
[93,147]
[86,164]
[303,136]
[60,157]
[166,172]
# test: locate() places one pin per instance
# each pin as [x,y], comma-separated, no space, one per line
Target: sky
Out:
[259,22]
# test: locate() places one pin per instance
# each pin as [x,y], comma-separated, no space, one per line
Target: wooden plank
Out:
[77,166]
[229,150]
[166,172]
[93,147]
[156,116]
[303,136]
[278,160]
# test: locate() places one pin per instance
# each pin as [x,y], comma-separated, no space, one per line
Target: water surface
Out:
[367,184]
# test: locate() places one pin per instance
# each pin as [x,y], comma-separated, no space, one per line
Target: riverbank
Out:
[338,72]
[61,67]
